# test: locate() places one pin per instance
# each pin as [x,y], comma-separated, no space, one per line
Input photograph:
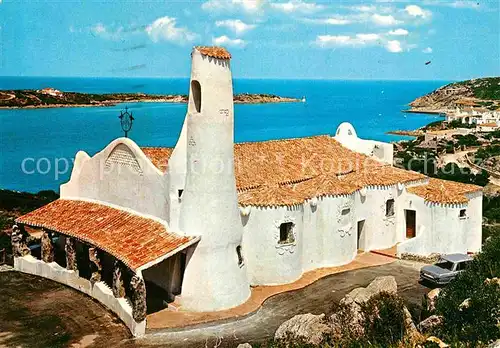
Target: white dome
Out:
[346,130]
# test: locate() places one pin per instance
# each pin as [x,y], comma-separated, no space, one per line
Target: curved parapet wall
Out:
[99,291]
[347,136]
[123,175]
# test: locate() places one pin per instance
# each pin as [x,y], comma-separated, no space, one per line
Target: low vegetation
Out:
[470,304]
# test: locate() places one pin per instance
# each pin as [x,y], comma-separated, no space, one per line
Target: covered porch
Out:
[115,256]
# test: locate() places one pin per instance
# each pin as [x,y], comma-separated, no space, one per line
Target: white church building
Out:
[204,221]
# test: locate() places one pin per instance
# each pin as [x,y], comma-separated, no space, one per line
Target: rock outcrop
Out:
[432,298]
[429,323]
[465,93]
[308,328]
[244,345]
[495,344]
[352,304]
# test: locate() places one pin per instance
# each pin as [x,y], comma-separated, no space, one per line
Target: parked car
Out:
[446,269]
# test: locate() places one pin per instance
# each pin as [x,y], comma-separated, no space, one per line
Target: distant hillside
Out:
[52,98]
[483,92]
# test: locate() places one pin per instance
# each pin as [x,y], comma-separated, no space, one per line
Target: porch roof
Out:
[131,238]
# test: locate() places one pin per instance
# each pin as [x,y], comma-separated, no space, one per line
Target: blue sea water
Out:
[41,137]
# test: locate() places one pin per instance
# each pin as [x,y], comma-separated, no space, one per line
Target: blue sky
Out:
[376,39]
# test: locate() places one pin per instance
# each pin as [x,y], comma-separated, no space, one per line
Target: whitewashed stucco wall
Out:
[346,135]
[267,261]
[380,231]
[440,229]
[122,175]
[213,280]
[337,232]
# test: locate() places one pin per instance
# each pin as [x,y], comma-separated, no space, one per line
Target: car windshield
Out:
[445,265]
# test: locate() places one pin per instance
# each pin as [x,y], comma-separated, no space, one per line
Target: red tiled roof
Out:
[214,51]
[132,239]
[158,156]
[444,191]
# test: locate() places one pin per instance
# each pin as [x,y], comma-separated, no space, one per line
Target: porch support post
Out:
[19,247]
[95,265]
[139,298]
[47,247]
[70,250]
[118,288]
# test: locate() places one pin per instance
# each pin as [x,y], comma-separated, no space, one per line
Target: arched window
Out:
[196,94]
[241,261]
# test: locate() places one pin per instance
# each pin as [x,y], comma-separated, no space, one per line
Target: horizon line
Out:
[238,78]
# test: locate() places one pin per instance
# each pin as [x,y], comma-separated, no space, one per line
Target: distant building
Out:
[51,91]
[470,115]
[206,220]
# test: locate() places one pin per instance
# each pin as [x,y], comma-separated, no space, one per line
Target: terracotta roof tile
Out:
[382,176]
[491,124]
[133,239]
[158,156]
[214,51]
[444,192]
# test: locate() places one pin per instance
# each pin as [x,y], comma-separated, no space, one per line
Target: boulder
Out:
[352,305]
[308,327]
[410,327]
[378,285]
[492,281]
[429,323]
[436,340]
[244,345]
[432,298]
[464,305]
[495,344]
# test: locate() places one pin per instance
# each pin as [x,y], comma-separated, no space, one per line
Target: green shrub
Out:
[384,319]
[478,322]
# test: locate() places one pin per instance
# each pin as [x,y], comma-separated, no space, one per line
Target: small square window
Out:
[286,233]
[463,213]
[389,207]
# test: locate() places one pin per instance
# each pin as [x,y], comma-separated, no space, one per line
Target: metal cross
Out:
[126,120]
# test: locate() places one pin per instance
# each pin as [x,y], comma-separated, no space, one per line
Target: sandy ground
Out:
[36,312]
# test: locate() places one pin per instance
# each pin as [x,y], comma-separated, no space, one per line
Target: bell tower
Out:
[214,278]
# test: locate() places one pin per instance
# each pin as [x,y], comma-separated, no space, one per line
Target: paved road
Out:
[39,313]
[316,298]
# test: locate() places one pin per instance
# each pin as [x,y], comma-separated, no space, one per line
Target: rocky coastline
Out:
[475,93]
[52,98]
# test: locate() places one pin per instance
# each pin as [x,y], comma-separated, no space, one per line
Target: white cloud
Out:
[367,37]
[235,25]
[427,50]
[364,8]
[345,40]
[336,21]
[296,6]
[394,46]
[250,6]
[165,28]
[398,32]
[98,28]
[384,20]
[225,41]
[417,11]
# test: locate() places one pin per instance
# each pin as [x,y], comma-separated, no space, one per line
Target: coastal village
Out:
[165,239]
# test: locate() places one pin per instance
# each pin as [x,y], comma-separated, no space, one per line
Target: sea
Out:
[39,145]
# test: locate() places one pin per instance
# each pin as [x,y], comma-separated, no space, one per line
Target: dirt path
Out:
[316,298]
[36,312]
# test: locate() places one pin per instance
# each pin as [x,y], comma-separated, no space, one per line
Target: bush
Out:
[478,322]
[384,319]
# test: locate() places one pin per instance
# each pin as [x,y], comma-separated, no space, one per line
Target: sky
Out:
[282,39]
